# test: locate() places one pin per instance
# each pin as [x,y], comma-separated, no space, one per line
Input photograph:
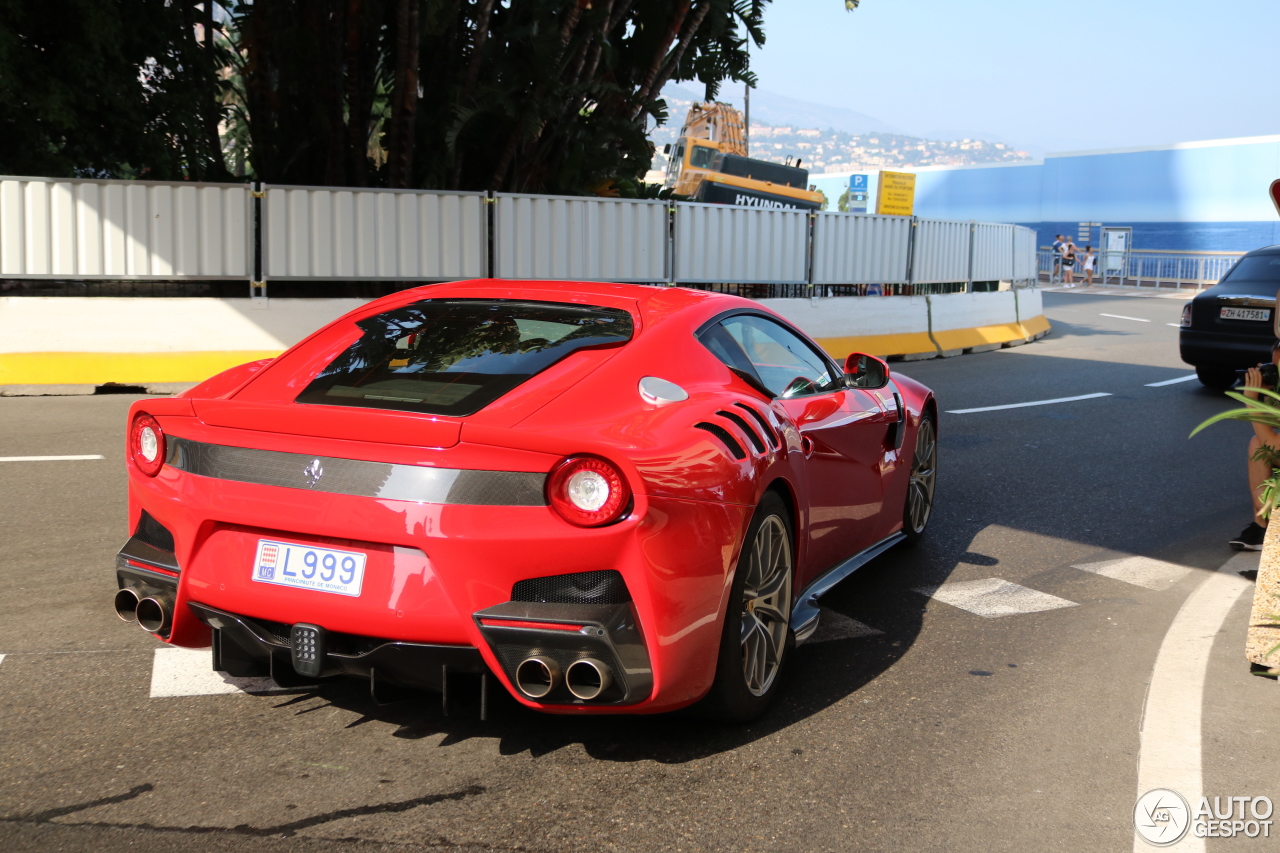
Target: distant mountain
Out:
[779,110]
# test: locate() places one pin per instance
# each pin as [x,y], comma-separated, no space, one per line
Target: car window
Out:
[455,356]
[783,361]
[1255,268]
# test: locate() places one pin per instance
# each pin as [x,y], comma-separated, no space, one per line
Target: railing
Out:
[1146,268]
[88,237]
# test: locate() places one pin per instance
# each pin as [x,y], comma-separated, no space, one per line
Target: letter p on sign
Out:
[1275,194]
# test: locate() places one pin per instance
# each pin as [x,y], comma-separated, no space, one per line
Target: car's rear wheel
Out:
[1217,378]
[757,638]
[924,479]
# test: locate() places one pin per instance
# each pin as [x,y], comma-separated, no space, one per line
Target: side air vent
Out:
[602,587]
[728,440]
[154,533]
[764,424]
[742,425]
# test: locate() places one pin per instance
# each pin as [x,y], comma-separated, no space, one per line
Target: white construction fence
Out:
[133,230]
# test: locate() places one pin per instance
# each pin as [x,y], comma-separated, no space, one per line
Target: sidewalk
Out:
[1120,290]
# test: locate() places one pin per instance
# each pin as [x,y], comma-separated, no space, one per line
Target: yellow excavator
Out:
[708,163]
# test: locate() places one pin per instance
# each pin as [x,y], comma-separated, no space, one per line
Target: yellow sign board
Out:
[896,195]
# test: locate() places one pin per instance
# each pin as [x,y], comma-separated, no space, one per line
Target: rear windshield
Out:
[455,356]
[1255,268]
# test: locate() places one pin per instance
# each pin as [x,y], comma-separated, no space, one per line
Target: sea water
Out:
[1173,236]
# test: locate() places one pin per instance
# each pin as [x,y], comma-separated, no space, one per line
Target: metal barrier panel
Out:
[371,234]
[575,238]
[1024,254]
[992,252]
[941,251]
[744,245]
[860,249]
[92,229]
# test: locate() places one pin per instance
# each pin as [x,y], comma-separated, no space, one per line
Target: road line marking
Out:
[1169,751]
[1139,571]
[1032,403]
[189,672]
[48,458]
[993,597]
[1175,325]
[1122,317]
[1,658]
[1170,381]
[833,625]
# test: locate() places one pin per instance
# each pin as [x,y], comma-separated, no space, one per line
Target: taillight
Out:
[146,445]
[1186,316]
[588,491]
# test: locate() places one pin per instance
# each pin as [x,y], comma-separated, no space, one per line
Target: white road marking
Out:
[1139,571]
[1169,752]
[1175,325]
[1122,317]
[188,672]
[992,597]
[1,658]
[1170,381]
[48,458]
[1024,405]
[837,626]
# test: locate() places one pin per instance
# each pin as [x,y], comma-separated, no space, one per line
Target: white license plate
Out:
[1262,314]
[320,569]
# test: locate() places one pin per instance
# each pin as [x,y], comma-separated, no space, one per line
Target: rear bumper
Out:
[435,570]
[1216,349]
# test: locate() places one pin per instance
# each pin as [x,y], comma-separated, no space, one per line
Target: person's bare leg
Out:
[1258,471]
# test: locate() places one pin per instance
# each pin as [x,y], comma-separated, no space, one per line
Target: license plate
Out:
[304,567]
[1262,314]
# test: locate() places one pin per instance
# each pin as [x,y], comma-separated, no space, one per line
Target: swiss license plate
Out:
[1262,314]
[305,567]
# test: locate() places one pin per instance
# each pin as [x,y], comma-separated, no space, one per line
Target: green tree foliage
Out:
[521,95]
[109,88]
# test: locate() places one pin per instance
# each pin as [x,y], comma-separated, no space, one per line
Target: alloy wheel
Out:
[924,473]
[766,605]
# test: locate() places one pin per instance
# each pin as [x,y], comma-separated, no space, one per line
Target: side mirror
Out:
[866,371]
[666,149]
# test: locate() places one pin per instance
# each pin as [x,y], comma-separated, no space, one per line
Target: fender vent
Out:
[764,424]
[728,440]
[742,425]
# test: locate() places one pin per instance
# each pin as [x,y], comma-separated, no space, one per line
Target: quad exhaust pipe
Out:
[588,678]
[154,614]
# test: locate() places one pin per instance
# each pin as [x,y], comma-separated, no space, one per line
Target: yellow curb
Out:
[911,343]
[97,368]
[1036,325]
[953,339]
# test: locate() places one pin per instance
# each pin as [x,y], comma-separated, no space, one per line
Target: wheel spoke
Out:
[766,604]
[770,612]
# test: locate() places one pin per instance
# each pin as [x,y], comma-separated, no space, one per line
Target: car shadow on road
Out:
[818,676]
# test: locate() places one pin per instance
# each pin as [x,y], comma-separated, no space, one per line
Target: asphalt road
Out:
[914,724]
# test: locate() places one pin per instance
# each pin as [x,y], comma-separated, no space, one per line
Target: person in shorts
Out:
[1087,261]
[1056,275]
[1250,539]
[1068,263]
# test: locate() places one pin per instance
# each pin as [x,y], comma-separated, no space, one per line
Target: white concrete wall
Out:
[841,317]
[972,310]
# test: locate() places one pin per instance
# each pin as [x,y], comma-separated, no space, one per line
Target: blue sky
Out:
[1047,76]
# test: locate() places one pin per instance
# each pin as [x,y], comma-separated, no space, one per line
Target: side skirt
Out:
[804,616]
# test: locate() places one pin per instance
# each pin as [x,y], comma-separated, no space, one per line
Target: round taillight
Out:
[146,445]
[588,491]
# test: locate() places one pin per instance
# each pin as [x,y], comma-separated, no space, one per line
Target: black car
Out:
[1230,326]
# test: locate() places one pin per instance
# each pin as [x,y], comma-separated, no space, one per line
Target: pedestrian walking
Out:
[1088,262]
[1056,275]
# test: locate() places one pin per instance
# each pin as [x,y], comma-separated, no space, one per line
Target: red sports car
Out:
[610,498]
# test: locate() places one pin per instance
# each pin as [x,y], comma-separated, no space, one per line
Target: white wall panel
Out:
[88,229]
[992,252]
[859,249]
[1024,253]
[594,239]
[404,235]
[724,243]
[941,251]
